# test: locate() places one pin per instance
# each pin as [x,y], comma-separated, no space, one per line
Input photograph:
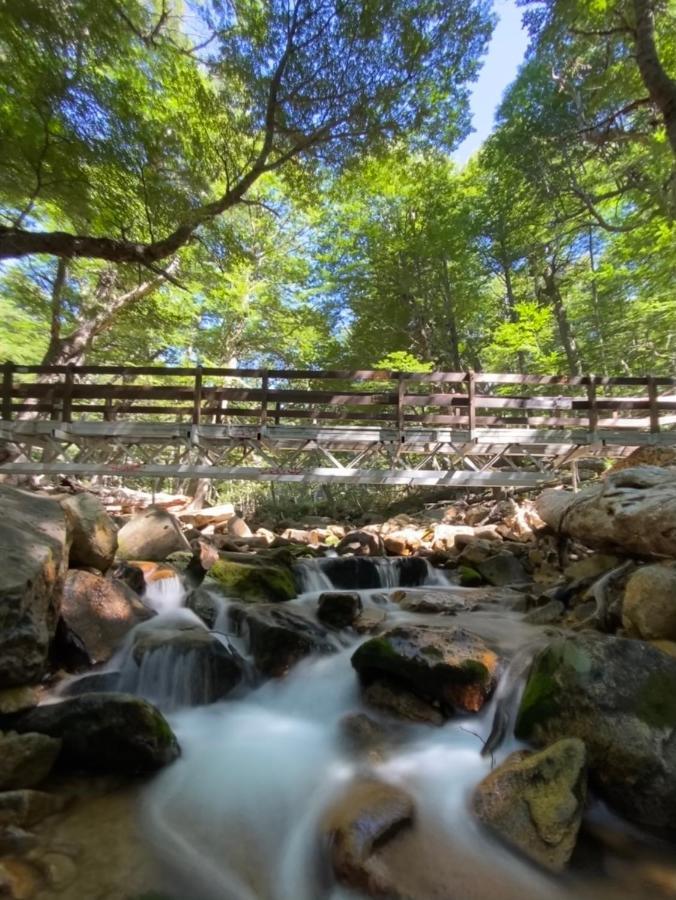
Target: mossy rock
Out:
[469,577]
[619,697]
[255,582]
[450,667]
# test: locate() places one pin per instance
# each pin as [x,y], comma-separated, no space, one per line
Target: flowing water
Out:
[238,816]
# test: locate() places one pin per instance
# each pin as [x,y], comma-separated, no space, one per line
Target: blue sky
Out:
[505,53]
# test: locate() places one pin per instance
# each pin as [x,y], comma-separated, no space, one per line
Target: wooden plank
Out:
[7,382]
[197,397]
[653,399]
[500,478]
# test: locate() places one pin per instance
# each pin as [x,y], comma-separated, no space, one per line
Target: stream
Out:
[238,816]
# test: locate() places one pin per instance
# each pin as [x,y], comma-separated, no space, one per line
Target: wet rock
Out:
[619,697]
[370,813]
[361,543]
[502,569]
[131,575]
[390,697]
[34,541]
[348,573]
[370,621]
[278,637]
[26,759]
[633,511]
[26,808]
[99,613]
[535,801]
[206,601]
[550,612]
[17,699]
[15,840]
[649,606]
[255,582]
[93,532]
[364,735]
[154,535]
[453,600]
[210,669]
[338,609]
[469,577]
[93,683]
[105,733]
[451,667]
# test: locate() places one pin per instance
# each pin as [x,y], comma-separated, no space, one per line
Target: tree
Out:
[124,140]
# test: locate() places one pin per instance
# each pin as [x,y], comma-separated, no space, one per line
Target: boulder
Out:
[99,613]
[278,637]
[26,808]
[132,575]
[535,801]
[450,667]
[366,736]
[237,527]
[33,537]
[211,668]
[632,511]
[153,535]
[547,614]
[445,536]
[26,759]
[501,569]
[619,697]
[258,581]
[453,600]
[93,532]
[18,699]
[361,543]
[338,609]
[649,605]
[107,732]
[403,542]
[370,813]
[388,696]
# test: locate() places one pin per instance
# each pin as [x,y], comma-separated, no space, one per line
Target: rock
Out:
[370,621]
[18,879]
[403,542]
[445,537]
[370,813]
[502,569]
[590,567]
[619,697]
[338,609]
[649,606]
[278,637]
[364,735]
[388,696]
[469,577]
[212,515]
[452,600]
[153,535]
[237,527]
[26,759]
[535,801]
[206,601]
[633,511]
[255,582]
[26,808]
[114,733]
[361,572]
[93,532]
[546,615]
[93,683]
[361,543]
[474,550]
[451,667]
[17,699]
[34,542]
[214,668]
[131,575]
[100,612]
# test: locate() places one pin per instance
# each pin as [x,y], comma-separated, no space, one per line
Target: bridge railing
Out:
[466,401]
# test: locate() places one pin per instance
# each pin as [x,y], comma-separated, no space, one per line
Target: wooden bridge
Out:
[364,427]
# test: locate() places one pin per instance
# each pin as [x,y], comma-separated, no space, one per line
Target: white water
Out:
[165,594]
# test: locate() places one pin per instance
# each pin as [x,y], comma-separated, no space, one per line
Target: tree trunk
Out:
[661,87]
[553,294]
[450,317]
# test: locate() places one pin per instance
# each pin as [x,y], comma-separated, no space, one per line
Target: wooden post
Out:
[197,398]
[108,415]
[471,402]
[654,407]
[66,408]
[265,380]
[401,394]
[278,409]
[7,380]
[593,410]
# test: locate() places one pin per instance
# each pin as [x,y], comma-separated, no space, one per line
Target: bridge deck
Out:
[464,429]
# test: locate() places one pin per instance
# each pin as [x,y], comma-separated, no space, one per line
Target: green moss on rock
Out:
[254,582]
[469,577]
